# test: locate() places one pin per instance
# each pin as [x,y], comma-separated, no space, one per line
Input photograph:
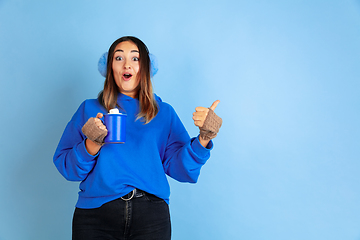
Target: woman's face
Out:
[125,66]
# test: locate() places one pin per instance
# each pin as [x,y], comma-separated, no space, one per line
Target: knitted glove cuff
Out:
[211,125]
[93,132]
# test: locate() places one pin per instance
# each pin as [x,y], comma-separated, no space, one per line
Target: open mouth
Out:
[127,76]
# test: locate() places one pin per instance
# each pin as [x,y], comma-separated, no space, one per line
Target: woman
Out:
[124,193]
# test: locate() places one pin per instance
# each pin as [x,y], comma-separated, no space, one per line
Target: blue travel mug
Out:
[115,123]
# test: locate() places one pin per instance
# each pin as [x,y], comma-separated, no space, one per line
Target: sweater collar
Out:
[123,97]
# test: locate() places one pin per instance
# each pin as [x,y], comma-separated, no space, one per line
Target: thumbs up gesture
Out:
[208,122]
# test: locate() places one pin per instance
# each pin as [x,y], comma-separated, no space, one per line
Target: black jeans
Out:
[142,218]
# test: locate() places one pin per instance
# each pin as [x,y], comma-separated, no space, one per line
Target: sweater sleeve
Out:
[184,156]
[71,157]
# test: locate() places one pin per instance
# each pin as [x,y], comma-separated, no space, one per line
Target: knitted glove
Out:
[211,125]
[93,132]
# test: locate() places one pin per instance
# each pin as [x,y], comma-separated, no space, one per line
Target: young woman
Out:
[124,193]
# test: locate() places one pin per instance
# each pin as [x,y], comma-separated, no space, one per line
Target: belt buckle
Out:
[132,195]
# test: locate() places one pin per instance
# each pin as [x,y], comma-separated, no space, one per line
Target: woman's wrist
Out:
[91,147]
[203,142]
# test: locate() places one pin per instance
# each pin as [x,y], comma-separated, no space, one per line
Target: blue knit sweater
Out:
[151,151]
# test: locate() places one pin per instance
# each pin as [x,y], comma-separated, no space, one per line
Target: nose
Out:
[127,64]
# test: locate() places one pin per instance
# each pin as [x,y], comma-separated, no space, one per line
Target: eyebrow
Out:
[119,50]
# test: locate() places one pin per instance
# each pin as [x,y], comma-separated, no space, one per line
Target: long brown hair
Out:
[108,96]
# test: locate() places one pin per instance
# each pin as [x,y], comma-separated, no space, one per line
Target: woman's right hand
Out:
[95,131]
[98,122]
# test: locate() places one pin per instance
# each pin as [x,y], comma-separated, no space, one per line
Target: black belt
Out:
[136,193]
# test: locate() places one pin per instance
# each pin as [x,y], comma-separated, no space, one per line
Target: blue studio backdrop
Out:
[285,164]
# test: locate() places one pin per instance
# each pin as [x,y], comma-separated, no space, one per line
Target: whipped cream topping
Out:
[114,111]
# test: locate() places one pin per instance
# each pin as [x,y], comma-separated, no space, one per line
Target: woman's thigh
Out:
[106,222]
[151,219]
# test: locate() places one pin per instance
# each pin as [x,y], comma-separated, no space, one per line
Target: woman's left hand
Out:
[199,117]
[201,113]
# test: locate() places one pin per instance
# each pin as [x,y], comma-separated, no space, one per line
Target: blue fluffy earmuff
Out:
[102,64]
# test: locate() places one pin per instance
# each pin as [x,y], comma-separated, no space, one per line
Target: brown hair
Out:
[108,96]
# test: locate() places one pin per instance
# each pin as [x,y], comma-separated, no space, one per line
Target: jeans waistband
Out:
[136,193]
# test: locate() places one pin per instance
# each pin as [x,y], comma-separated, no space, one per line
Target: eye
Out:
[118,58]
[135,59]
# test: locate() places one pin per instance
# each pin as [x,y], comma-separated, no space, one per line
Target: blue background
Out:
[286,162]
